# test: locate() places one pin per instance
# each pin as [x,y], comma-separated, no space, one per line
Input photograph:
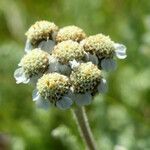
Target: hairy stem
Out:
[84,128]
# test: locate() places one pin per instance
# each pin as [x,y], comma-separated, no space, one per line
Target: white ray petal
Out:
[120,50]
[64,103]
[108,64]
[35,95]
[74,64]
[92,58]
[83,99]
[42,103]
[64,69]
[28,46]
[102,87]
[20,76]
[47,46]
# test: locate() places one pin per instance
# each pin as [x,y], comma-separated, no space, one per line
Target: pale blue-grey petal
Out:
[92,58]
[108,64]
[120,50]
[83,99]
[53,65]
[34,79]
[47,46]
[64,69]
[42,103]
[102,87]
[35,95]
[74,64]
[64,103]
[28,46]
[20,76]
[70,94]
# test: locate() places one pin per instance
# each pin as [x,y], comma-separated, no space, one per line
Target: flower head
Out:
[85,78]
[54,87]
[32,64]
[70,33]
[37,61]
[104,49]
[41,30]
[67,51]
[100,45]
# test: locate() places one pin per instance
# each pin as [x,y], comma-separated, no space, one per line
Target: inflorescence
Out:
[65,65]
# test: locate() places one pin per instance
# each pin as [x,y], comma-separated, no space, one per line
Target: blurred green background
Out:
[120,118]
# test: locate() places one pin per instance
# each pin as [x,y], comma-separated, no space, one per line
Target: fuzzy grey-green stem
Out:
[84,128]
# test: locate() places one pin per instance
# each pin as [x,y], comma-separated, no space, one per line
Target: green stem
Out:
[84,128]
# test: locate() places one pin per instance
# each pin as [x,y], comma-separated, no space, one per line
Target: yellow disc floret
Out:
[85,78]
[67,51]
[100,45]
[35,62]
[53,86]
[70,33]
[41,30]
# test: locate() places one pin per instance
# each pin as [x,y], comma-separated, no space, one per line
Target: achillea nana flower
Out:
[41,31]
[32,66]
[73,33]
[86,79]
[104,49]
[54,89]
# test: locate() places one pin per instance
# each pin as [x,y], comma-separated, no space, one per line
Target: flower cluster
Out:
[65,65]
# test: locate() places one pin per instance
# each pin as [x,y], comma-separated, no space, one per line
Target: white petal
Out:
[53,64]
[35,95]
[108,64]
[34,79]
[64,103]
[83,99]
[120,50]
[64,69]
[20,77]
[42,103]
[102,87]
[92,58]
[47,45]
[28,46]
[74,64]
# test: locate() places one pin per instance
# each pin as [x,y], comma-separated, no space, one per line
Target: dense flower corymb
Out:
[65,65]
[70,33]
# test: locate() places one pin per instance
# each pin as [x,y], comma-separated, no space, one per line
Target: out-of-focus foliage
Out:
[120,118]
